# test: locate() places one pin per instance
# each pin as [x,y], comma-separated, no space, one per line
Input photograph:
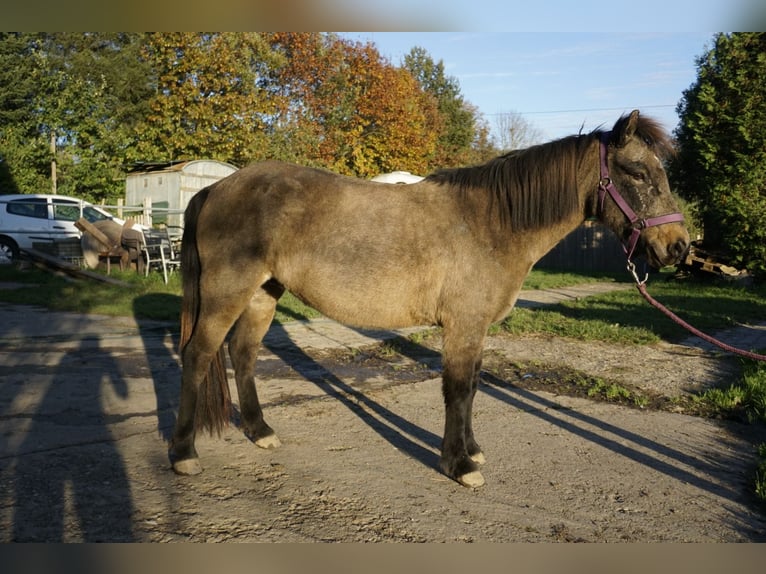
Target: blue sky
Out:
[559,81]
[546,15]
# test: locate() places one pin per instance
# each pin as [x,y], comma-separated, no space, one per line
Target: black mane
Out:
[528,188]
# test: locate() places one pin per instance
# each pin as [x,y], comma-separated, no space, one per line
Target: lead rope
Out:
[641,284]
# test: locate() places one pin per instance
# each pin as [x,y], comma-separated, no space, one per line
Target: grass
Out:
[624,317]
[620,316]
[545,279]
[760,475]
[144,297]
[745,398]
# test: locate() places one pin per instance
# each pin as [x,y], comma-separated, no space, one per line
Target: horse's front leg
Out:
[460,452]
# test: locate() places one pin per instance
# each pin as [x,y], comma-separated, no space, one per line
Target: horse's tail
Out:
[213,409]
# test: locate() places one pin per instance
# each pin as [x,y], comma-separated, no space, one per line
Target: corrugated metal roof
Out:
[159,167]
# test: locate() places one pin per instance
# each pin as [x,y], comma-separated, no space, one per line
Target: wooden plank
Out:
[50,262]
[87,227]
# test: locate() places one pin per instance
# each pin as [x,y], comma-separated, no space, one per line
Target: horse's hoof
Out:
[270,441]
[472,479]
[478,458]
[187,467]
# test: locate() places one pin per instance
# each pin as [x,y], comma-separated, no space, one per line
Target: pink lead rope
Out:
[657,305]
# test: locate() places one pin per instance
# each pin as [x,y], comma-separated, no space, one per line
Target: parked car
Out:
[37,218]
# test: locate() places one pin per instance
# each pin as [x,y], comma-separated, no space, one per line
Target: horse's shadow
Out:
[417,442]
[673,462]
[424,445]
[164,366]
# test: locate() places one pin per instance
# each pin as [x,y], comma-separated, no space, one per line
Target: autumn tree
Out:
[211,98]
[348,109]
[722,147]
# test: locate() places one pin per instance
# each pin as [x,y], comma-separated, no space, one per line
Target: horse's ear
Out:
[628,128]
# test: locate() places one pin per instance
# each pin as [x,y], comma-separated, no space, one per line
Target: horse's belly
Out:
[370,306]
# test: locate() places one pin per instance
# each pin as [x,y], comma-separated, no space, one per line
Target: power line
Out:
[582,110]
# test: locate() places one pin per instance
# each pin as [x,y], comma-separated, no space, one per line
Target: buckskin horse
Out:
[452,250]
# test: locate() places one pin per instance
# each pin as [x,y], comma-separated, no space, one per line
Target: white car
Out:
[398,177]
[37,218]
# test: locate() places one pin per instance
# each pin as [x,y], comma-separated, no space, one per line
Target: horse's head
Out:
[634,194]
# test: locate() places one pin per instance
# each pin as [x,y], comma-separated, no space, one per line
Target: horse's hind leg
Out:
[198,354]
[245,343]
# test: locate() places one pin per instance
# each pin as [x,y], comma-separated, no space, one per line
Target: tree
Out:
[348,109]
[24,151]
[68,105]
[462,139]
[209,99]
[722,147]
[515,132]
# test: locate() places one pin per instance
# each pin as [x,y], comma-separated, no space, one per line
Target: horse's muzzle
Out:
[668,247]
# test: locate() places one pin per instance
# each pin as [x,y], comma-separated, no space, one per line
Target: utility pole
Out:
[53,162]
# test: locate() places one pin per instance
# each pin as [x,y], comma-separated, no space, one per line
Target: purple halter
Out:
[606,185]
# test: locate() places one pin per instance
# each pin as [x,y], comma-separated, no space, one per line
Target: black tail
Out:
[213,410]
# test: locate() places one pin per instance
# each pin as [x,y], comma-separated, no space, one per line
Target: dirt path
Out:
[87,402]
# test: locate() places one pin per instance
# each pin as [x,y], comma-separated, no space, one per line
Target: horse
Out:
[452,250]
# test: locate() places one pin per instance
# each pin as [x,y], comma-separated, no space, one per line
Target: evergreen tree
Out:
[722,147]
[24,151]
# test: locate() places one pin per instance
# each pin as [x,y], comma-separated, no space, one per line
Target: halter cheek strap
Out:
[606,186]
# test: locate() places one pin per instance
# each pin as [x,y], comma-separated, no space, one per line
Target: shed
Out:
[170,186]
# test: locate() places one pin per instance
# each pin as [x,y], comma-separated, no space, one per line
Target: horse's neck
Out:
[540,241]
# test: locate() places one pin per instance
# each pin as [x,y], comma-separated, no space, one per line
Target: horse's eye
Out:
[638,176]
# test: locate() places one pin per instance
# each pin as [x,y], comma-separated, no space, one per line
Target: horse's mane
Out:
[537,186]
[528,188]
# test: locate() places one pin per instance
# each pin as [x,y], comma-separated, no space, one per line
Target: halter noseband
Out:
[606,185]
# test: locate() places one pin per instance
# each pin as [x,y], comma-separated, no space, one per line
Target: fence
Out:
[148,214]
[590,247]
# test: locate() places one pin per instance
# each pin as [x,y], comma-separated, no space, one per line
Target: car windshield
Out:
[92,214]
[67,210]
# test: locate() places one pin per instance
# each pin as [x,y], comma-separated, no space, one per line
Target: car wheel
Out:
[9,251]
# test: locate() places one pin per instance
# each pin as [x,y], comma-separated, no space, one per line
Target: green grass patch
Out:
[144,297]
[290,308]
[745,398]
[625,317]
[760,474]
[546,279]
[620,316]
